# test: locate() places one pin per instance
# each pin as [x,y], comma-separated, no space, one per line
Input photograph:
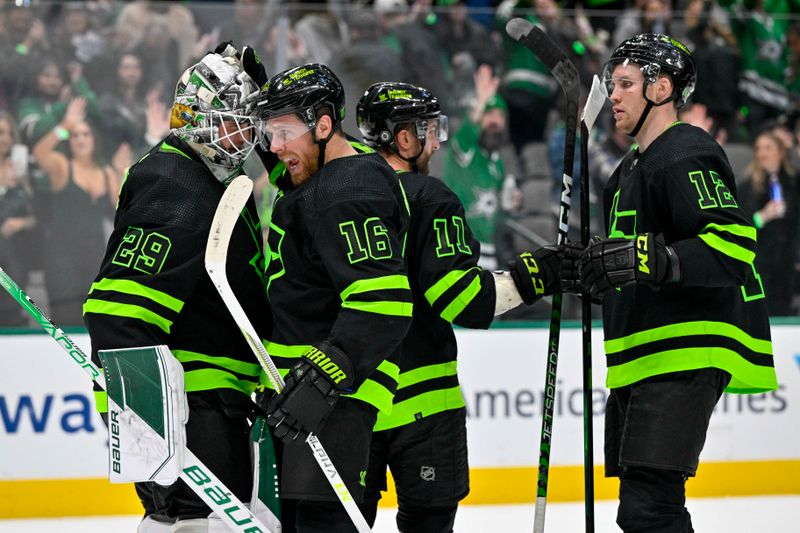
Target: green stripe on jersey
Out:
[462,300]
[441,286]
[424,405]
[382,308]
[728,248]
[127,286]
[425,373]
[685,329]
[102,307]
[746,378]
[394,281]
[234,365]
[212,378]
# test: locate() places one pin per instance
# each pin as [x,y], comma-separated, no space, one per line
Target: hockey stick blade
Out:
[594,103]
[194,473]
[537,41]
[230,207]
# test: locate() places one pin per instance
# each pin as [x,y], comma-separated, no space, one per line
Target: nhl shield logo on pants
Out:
[427,473]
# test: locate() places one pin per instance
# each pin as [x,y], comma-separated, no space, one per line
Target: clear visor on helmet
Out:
[283,129]
[231,134]
[438,125]
[610,80]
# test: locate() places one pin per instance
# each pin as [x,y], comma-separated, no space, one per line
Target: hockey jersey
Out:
[448,288]
[683,187]
[152,287]
[335,271]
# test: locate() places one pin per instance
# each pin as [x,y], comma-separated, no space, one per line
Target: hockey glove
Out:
[312,388]
[610,263]
[547,270]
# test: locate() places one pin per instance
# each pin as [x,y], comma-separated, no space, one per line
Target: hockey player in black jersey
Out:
[337,288]
[152,287]
[423,439]
[684,314]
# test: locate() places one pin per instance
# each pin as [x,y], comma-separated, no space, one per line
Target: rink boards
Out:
[53,445]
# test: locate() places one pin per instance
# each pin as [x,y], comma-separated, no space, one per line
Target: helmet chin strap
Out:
[650,105]
[322,143]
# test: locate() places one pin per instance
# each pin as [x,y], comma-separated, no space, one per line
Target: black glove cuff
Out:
[333,364]
[522,280]
[674,265]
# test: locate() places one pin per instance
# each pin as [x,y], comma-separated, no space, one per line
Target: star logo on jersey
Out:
[485,203]
[274,266]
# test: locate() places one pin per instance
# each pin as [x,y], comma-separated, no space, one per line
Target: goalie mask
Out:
[214,101]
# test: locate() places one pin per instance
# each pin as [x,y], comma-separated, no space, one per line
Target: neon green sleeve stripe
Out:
[382,308]
[102,307]
[375,394]
[285,350]
[210,379]
[101,401]
[427,404]
[127,286]
[685,329]
[462,300]
[740,230]
[425,373]
[234,365]
[728,248]
[449,279]
[171,149]
[745,376]
[395,281]
[390,369]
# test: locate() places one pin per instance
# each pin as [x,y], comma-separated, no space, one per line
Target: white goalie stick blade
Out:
[230,207]
[594,103]
[228,211]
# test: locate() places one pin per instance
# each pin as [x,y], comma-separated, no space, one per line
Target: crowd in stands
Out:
[86,88]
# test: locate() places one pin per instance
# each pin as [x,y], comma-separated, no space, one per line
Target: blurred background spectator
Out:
[16,215]
[770,195]
[82,196]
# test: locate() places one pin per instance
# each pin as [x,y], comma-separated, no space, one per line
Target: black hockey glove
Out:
[546,270]
[616,262]
[312,388]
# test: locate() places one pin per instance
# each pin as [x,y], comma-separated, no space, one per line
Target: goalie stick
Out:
[565,73]
[194,473]
[228,210]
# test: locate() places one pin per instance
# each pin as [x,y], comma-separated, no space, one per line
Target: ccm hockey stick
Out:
[194,473]
[565,73]
[228,210]
[594,104]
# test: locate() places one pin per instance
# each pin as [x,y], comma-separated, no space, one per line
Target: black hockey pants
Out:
[652,500]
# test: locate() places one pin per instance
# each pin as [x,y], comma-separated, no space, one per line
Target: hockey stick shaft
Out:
[230,206]
[594,104]
[567,77]
[197,476]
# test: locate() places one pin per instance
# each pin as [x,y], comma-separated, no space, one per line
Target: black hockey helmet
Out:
[657,54]
[387,105]
[304,90]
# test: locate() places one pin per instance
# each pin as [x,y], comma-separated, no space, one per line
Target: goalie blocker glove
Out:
[610,263]
[312,388]
[545,271]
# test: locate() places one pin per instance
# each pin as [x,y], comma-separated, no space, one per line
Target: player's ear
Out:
[403,138]
[324,126]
